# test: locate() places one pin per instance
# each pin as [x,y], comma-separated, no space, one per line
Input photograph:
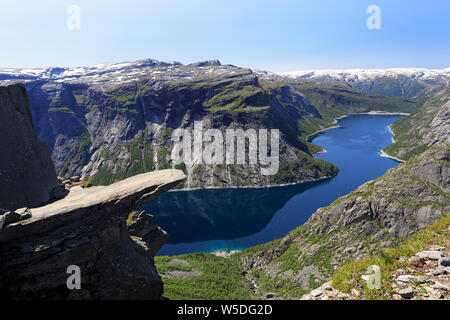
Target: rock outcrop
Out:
[87,229]
[27,174]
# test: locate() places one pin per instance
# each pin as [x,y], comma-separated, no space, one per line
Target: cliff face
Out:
[107,131]
[27,174]
[109,122]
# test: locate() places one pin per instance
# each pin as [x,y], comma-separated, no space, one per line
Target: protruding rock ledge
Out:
[121,198]
[87,229]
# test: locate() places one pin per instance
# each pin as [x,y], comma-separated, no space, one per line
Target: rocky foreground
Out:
[426,276]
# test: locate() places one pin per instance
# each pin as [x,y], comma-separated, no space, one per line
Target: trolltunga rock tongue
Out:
[87,229]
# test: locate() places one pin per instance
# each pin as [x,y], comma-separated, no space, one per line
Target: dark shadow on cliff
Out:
[211,214]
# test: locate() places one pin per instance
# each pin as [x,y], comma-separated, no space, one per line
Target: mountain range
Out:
[112,121]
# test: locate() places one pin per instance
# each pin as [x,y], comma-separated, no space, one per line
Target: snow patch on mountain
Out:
[349,75]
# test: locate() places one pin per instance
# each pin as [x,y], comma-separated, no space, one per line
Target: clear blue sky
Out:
[278,35]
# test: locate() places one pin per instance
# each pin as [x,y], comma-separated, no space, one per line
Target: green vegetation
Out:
[62,109]
[410,130]
[306,163]
[349,275]
[140,161]
[220,278]
[334,100]
[121,97]
[197,169]
[238,98]
[162,158]
[79,154]
[181,166]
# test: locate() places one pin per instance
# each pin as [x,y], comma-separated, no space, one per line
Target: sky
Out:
[278,35]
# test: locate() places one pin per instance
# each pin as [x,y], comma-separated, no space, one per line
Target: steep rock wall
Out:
[27,174]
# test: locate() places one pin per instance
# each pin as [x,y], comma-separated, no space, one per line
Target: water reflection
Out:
[233,219]
[212,214]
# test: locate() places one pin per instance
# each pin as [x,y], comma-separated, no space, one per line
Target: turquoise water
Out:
[234,219]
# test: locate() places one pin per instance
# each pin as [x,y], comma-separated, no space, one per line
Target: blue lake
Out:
[234,219]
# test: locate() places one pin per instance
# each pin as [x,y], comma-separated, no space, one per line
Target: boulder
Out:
[407,293]
[430,255]
[444,261]
[316,293]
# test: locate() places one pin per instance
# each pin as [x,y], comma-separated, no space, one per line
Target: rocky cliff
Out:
[27,175]
[106,131]
[87,229]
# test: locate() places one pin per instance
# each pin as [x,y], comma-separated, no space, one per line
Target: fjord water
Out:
[234,219]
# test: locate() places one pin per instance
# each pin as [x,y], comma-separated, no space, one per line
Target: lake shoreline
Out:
[252,187]
[279,209]
[335,121]
[385,155]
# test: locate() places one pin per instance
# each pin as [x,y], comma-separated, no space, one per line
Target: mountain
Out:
[102,73]
[424,128]
[109,122]
[397,82]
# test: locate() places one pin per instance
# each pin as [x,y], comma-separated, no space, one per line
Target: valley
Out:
[333,201]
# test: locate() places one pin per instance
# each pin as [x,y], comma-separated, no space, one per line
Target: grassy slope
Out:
[220,278]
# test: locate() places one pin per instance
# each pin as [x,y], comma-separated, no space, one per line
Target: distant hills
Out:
[397,82]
